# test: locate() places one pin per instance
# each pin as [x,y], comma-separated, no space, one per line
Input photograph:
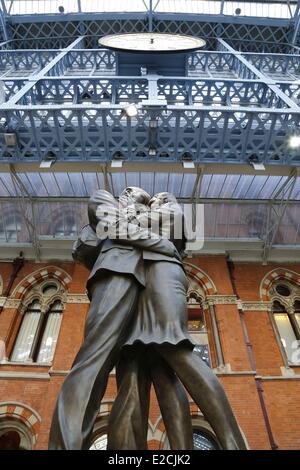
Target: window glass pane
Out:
[203,442]
[50,335]
[26,334]
[50,289]
[297,306]
[297,316]
[198,333]
[100,443]
[287,335]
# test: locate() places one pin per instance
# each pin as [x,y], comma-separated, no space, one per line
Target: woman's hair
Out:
[146,196]
[174,207]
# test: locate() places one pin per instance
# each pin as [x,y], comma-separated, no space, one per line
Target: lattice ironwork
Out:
[230,93]
[24,63]
[292,90]
[56,34]
[219,65]
[228,109]
[8,88]
[277,66]
[205,135]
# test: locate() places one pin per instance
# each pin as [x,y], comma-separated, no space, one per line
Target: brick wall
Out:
[36,387]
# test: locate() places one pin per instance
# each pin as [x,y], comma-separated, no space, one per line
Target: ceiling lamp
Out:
[257,165]
[131,110]
[294,141]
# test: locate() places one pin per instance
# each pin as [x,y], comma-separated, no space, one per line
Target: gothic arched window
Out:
[203,441]
[197,323]
[37,336]
[286,314]
[99,443]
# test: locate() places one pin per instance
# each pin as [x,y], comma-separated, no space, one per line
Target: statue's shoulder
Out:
[101,196]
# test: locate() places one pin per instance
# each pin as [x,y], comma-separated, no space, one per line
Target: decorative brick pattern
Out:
[275,275]
[203,279]
[212,275]
[50,272]
[24,414]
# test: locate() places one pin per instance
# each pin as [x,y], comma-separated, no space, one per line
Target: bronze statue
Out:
[137,288]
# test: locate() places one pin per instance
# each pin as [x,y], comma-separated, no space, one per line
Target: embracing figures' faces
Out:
[134,195]
[160,199]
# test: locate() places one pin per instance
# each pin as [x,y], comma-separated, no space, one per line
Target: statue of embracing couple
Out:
[137,321]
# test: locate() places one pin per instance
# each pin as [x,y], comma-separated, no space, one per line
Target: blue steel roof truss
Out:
[228,108]
[239,100]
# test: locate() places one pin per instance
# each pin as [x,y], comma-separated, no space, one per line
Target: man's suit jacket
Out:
[121,256]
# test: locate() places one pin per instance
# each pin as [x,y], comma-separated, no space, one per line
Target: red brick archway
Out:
[275,275]
[49,272]
[201,277]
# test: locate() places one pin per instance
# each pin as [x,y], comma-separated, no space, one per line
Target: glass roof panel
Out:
[8,183]
[161,182]
[5,188]
[223,221]
[118,183]
[296,190]
[50,184]
[255,186]
[92,181]
[243,186]
[82,184]
[188,185]
[275,9]
[37,184]
[205,182]
[147,182]
[215,185]
[174,184]
[78,185]
[65,184]
[229,184]
[132,179]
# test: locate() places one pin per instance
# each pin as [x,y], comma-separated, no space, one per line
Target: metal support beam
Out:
[296,24]
[222,7]
[32,81]
[195,195]
[27,210]
[3,7]
[150,16]
[156,5]
[268,81]
[276,211]
[160,16]
[3,21]
[10,6]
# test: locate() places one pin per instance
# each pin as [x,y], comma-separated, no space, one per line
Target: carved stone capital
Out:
[12,303]
[221,299]
[77,299]
[256,306]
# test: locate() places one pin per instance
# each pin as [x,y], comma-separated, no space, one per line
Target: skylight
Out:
[274,9]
